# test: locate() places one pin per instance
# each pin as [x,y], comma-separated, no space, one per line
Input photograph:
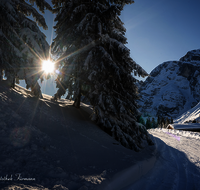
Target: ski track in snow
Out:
[178,162]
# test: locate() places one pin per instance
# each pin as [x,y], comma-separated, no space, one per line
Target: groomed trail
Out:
[178,162]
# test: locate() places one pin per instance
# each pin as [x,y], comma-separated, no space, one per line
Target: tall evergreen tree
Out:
[13,24]
[148,123]
[162,122]
[171,121]
[141,120]
[34,48]
[159,121]
[154,124]
[94,62]
[166,122]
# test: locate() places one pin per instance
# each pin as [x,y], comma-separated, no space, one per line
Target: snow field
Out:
[45,152]
[178,162]
[130,175]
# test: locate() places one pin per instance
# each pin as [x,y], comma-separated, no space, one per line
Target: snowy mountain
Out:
[190,115]
[173,87]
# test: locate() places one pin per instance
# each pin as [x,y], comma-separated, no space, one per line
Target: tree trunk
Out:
[1,75]
[77,100]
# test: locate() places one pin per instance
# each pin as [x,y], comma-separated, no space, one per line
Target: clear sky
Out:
[161,30]
[157,30]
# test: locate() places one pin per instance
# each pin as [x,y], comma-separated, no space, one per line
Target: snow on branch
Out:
[41,4]
[117,34]
[79,9]
[84,21]
[140,71]
[88,59]
[26,9]
[10,8]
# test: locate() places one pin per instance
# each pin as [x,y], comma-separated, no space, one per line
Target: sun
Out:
[48,66]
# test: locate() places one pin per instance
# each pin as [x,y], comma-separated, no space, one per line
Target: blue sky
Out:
[161,30]
[157,30]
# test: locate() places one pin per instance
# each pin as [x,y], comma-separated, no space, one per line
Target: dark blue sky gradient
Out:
[161,30]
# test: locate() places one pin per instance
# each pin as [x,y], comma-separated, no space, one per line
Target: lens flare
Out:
[48,66]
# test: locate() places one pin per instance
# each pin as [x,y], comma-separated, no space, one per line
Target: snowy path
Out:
[178,164]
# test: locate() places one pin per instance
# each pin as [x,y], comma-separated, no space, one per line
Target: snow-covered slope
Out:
[189,115]
[54,144]
[178,165]
[173,87]
[49,145]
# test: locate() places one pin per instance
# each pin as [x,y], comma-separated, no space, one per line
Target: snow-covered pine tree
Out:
[95,62]
[34,49]
[13,15]
[9,40]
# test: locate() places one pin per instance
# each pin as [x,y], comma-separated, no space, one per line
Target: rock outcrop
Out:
[173,87]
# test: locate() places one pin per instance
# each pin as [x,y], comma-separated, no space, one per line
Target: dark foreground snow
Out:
[52,145]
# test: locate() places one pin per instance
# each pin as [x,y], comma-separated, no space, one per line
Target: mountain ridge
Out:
[173,87]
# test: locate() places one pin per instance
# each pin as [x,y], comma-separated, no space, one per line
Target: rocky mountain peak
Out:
[193,55]
[173,87]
